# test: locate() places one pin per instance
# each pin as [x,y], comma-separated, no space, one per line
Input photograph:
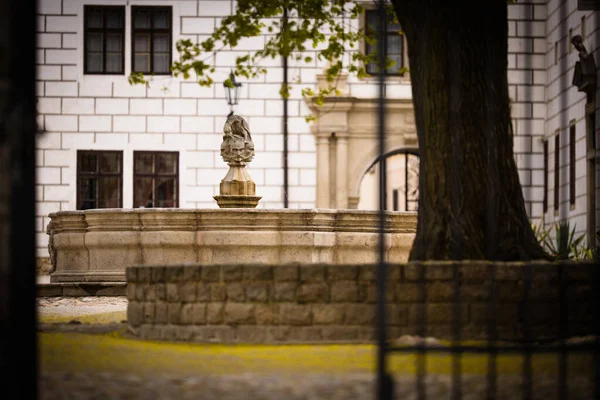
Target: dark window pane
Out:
[110,188]
[114,42]
[166,163]
[114,19]
[110,162]
[161,63]
[165,193]
[161,19]
[114,63]
[141,19]
[160,43]
[141,43]
[143,163]
[141,63]
[88,162]
[94,17]
[94,62]
[94,41]
[143,192]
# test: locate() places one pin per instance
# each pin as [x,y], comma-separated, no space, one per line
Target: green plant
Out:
[564,245]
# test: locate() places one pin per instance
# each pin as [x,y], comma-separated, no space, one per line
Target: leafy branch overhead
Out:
[326,29]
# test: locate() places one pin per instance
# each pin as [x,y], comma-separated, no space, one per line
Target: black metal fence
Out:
[528,344]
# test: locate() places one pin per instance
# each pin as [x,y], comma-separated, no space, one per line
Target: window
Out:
[556,169]
[156,179]
[99,179]
[545,204]
[151,40]
[394,44]
[572,164]
[588,5]
[104,46]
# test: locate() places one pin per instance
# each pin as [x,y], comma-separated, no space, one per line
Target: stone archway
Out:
[347,143]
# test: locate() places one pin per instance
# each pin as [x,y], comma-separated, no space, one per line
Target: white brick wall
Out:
[106,113]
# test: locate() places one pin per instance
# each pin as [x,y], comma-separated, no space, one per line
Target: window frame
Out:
[556,171]
[572,172]
[98,175]
[104,30]
[365,49]
[154,176]
[151,31]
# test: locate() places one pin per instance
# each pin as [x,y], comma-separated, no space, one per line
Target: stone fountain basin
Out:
[98,245]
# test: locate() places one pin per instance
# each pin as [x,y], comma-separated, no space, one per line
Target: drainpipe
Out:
[285,115]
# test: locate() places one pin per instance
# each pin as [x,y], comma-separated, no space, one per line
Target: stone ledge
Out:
[81,289]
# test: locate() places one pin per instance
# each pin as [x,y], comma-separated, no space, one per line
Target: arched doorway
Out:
[401,174]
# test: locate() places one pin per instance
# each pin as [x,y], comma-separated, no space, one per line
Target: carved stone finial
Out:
[237,190]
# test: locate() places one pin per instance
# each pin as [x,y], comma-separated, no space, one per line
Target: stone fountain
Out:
[98,245]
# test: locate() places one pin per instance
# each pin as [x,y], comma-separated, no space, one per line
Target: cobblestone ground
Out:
[280,386]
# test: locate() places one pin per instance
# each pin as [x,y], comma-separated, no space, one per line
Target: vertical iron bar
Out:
[562,334]
[384,382]
[421,332]
[492,335]
[405,181]
[18,353]
[456,333]
[526,313]
[285,112]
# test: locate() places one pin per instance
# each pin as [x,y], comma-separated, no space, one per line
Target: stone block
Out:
[203,293]
[367,293]
[473,270]
[295,314]
[158,274]
[184,333]
[257,292]
[210,273]
[305,334]
[394,272]
[344,291]
[441,313]
[135,313]
[168,332]
[131,274]
[144,274]
[187,315]
[397,315]
[161,291]
[342,272]
[360,314]
[366,272]
[198,314]
[258,272]
[140,291]
[173,292]
[149,312]
[188,291]
[266,314]
[284,291]
[313,293]
[277,333]
[285,273]
[480,314]
[149,332]
[236,292]
[440,291]
[214,313]
[511,292]
[251,334]
[438,271]
[239,314]
[129,291]
[312,273]
[368,334]
[218,292]
[161,315]
[328,314]
[477,292]
[232,272]
[192,273]
[339,333]
[507,271]
[214,334]
[173,274]
[174,311]
[408,292]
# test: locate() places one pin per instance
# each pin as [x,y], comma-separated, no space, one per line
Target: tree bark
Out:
[470,201]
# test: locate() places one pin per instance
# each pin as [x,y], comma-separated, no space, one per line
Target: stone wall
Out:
[318,303]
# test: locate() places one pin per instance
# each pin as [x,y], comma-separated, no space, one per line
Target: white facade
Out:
[104,112]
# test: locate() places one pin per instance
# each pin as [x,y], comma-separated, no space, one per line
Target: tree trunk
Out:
[470,201]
